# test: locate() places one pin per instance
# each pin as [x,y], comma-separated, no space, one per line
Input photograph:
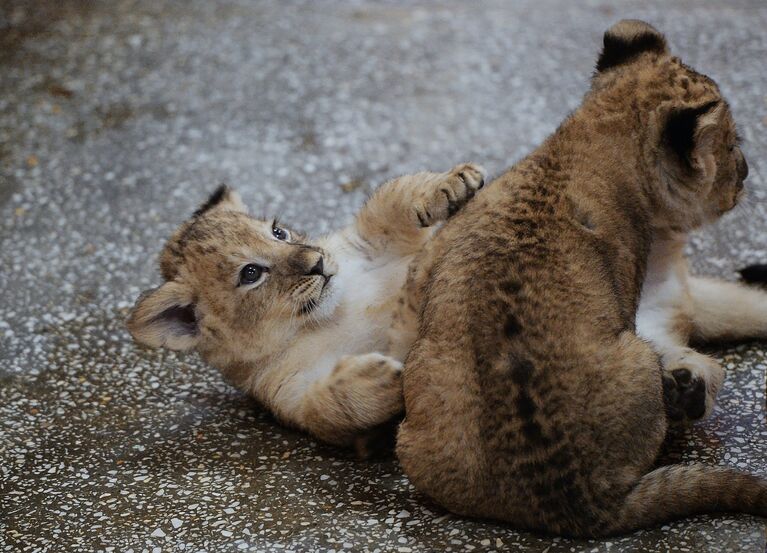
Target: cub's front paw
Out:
[370,386]
[446,193]
[691,382]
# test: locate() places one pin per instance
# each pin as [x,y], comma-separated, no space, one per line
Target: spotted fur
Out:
[529,396]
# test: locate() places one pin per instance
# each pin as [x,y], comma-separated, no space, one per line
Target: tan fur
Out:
[529,397]
[314,342]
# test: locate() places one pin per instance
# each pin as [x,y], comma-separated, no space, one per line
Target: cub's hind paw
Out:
[446,193]
[691,382]
[370,386]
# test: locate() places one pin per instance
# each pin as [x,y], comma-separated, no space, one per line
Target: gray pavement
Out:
[117,118]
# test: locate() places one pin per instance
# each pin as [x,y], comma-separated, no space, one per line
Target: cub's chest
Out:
[372,290]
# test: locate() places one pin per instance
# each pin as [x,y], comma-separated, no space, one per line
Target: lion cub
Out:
[529,397]
[304,326]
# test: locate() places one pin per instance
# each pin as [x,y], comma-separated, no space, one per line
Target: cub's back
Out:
[521,283]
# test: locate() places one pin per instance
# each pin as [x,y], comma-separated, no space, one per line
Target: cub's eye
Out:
[251,273]
[280,233]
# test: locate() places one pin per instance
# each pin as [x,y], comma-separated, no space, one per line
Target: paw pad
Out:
[684,395]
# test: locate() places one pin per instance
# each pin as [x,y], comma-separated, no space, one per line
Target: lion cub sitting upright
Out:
[529,397]
[305,327]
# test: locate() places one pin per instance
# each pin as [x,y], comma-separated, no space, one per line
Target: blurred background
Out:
[118,117]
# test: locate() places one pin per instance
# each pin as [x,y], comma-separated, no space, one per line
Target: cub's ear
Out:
[223,198]
[165,317]
[688,138]
[626,40]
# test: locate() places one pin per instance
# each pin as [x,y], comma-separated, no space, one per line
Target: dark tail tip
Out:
[754,274]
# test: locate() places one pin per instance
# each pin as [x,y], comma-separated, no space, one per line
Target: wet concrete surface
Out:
[117,118]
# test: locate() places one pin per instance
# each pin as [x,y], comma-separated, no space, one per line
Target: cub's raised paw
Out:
[446,193]
[691,382]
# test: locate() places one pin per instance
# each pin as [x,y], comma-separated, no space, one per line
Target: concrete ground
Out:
[117,118]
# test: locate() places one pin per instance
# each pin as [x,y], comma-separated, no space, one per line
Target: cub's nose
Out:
[743,170]
[741,164]
[318,269]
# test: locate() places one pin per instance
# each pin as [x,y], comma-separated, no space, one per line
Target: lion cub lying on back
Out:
[305,327]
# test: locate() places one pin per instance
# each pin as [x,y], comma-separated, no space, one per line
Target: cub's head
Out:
[689,145]
[233,283]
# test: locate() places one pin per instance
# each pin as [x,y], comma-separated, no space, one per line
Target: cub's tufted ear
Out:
[223,198]
[626,40]
[165,317]
[688,138]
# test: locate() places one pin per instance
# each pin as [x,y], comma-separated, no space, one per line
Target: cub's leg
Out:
[362,392]
[404,329]
[397,216]
[691,380]
[727,311]
[706,310]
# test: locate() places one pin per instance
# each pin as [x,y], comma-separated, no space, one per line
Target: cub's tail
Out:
[678,491]
[754,274]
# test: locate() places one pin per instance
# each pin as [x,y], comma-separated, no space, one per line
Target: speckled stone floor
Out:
[117,118]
